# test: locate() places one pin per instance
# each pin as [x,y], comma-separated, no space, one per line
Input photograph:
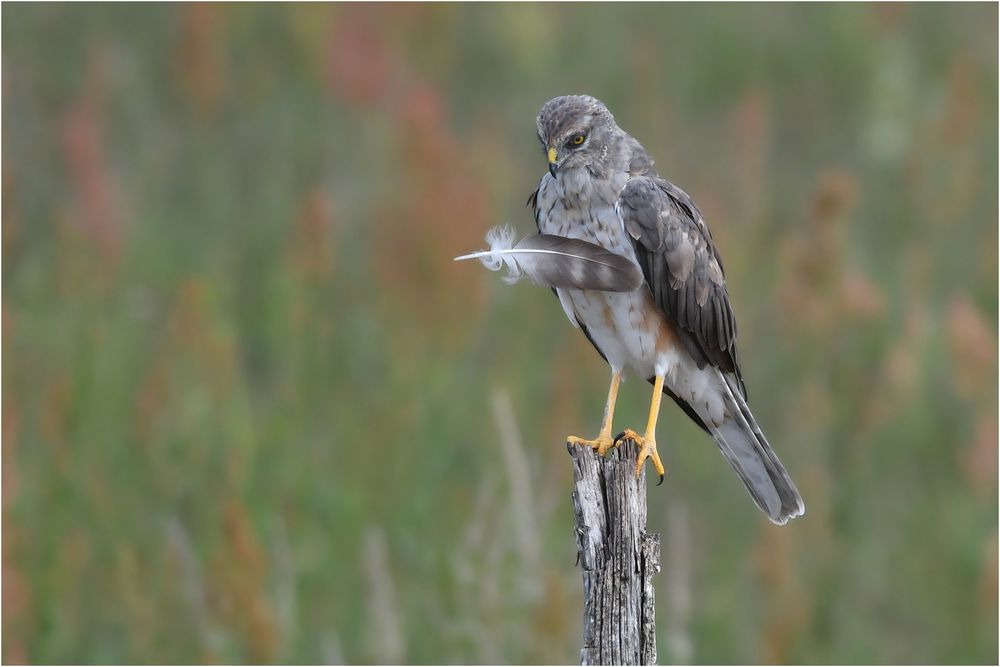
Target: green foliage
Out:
[247,395]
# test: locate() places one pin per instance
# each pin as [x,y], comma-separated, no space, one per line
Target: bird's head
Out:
[575,131]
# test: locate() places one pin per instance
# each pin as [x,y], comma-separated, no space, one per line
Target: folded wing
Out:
[682,267]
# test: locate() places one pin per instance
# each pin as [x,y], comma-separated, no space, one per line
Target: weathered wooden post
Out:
[618,557]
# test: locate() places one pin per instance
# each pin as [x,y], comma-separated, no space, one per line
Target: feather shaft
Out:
[557,261]
[528,251]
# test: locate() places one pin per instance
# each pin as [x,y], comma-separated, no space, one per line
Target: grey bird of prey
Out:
[677,329]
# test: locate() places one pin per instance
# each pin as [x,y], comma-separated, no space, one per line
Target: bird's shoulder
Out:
[664,218]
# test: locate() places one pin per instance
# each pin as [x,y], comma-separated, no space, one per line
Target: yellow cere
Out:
[552,155]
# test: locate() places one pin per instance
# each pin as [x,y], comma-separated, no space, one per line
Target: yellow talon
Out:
[647,443]
[629,434]
[649,451]
[602,443]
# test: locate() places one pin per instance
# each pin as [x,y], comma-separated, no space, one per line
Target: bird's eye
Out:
[577,139]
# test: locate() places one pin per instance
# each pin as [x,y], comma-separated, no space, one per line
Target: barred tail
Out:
[746,449]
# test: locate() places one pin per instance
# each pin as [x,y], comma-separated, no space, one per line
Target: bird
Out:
[677,329]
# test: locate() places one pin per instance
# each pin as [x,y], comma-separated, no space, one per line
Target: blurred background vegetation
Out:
[253,412]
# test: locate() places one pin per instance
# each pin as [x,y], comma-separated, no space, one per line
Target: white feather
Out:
[501,253]
[556,261]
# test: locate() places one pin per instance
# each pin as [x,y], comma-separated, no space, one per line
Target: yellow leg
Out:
[604,441]
[648,441]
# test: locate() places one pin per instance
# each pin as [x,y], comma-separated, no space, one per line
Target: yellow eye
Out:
[578,139]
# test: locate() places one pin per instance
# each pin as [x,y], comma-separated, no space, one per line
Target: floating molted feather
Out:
[557,261]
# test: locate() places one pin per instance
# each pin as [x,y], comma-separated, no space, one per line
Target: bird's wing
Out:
[682,268]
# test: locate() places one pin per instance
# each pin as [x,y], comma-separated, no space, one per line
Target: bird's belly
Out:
[629,329]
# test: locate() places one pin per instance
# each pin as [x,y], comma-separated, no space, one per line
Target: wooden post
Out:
[617,556]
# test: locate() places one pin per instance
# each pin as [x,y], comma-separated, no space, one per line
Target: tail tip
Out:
[787,514]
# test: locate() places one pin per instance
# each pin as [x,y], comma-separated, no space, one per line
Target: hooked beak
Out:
[553,161]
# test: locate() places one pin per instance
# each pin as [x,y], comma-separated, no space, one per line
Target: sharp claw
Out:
[619,437]
[661,480]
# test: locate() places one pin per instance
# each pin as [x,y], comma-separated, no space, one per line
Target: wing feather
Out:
[683,269]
